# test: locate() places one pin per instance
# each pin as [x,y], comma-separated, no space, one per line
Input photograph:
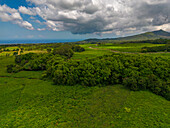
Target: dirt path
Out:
[19,52]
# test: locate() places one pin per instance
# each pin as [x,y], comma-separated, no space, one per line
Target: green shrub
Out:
[12,68]
[64,50]
[77,48]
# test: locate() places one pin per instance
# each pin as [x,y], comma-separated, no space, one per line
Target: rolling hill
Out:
[144,36]
[148,36]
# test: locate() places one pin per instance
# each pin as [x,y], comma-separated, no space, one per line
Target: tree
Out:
[48,50]
[64,50]
[77,48]
[15,53]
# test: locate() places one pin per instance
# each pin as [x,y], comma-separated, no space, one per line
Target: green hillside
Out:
[148,36]
[144,36]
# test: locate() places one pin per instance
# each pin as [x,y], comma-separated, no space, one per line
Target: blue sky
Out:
[75,19]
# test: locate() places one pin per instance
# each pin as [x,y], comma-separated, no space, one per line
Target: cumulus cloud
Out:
[102,16]
[156,1]
[28,11]
[12,15]
[25,24]
[5,8]
[9,14]
[41,29]
[99,16]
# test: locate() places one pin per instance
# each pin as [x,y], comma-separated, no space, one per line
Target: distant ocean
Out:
[37,41]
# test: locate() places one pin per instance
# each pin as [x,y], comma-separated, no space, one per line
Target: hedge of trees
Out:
[165,48]
[156,41]
[134,71]
[32,62]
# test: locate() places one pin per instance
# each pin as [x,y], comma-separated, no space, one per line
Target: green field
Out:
[28,101]
[130,48]
[91,53]
[127,47]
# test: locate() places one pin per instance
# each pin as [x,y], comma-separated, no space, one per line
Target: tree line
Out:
[165,48]
[35,62]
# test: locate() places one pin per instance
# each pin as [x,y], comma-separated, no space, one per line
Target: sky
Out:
[81,19]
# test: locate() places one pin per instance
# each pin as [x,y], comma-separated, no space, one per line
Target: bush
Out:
[64,50]
[77,48]
[165,48]
[13,68]
[15,53]
[23,59]
[10,68]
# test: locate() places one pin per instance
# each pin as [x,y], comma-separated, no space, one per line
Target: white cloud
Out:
[5,8]
[9,14]
[12,15]
[16,16]
[27,25]
[102,16]
[37,21]
[156,1]
[37,2]
[96,16]
[33,18]
[28,11]
[5,17]
[165,27]
[41,29]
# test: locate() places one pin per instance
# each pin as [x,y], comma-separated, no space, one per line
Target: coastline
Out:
[15,42]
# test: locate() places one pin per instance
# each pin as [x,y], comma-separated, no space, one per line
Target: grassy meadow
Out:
[28,101]
[125,47]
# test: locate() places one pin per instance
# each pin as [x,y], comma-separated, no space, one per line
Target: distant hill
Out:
[144,36]
[148,36]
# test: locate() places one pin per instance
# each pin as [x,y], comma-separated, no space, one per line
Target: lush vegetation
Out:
[156,41]
[37,62]
[134,71]
[36,103]
[59,48]
[123,47]
[27,101]
[165,48]
[93,88]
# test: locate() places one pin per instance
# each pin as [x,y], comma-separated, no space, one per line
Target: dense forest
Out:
[136,72]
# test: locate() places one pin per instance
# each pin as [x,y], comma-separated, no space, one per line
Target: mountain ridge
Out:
[159,34]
